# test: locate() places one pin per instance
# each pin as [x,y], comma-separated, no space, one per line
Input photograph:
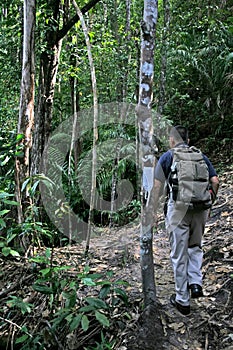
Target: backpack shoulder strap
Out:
[195,149]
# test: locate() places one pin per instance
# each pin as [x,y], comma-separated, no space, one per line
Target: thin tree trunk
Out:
[95,126]
[26,110]
[72,148]
[75,110]
[144,114]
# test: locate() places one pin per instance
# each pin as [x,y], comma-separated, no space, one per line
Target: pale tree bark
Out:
[75,109]
[72,147]
[143,110]
[26,110]
[95,126]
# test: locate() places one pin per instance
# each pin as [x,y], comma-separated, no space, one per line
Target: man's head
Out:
[177,135]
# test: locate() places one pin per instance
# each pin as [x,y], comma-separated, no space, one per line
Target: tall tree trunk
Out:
[49,63]
[26,111]
[48,71]
[75,109]
[148,28]
[95,127]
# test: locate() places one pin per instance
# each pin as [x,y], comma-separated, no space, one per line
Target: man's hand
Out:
[213,195]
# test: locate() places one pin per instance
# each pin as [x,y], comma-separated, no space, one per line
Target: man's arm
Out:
[214,182]
[157,193]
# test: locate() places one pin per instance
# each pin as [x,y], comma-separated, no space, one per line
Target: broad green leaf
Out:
[5,161]
[5,195]
[34,187]
[25,307]
[104,291]
[120,292]
[85,323]
[14,252]
[46,181]
[88,281]
[48,253]
[87,308]
[11,237]
[2,223]
[3,212]
[104,283]
[69,318]
[102,319]
[19,137]
[21,339]
[6,251]
[39,259]
[122,282]
[6,201]
[42,289]
[19,154]
[70,298]
[95,275]
[46,271]
[26,182]
[75,322]
[97,303]
[61,268]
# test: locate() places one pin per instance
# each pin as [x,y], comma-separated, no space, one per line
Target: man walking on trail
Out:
[184,222]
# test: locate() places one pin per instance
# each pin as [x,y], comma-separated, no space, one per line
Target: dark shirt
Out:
[163,167]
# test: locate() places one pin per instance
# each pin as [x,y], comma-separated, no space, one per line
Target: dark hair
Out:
[179,132]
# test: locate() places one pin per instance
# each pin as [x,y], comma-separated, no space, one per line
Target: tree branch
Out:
[62,33]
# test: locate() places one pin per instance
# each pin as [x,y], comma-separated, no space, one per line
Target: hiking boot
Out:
[196,291]
[184,310]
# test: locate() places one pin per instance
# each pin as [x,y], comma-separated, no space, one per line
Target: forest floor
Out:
[208,327]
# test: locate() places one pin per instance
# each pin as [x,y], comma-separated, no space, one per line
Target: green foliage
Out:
[5,247]
[115,158]
[199,72]
[9,149]
[68,312]
[32,228]
[19,303]
[103,345]
[10,62]
[5,203]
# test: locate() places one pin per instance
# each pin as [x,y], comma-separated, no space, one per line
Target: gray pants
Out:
[185,228]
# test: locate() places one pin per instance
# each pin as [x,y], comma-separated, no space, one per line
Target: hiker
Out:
[185,222]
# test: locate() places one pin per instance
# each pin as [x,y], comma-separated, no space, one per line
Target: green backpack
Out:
[189,179]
